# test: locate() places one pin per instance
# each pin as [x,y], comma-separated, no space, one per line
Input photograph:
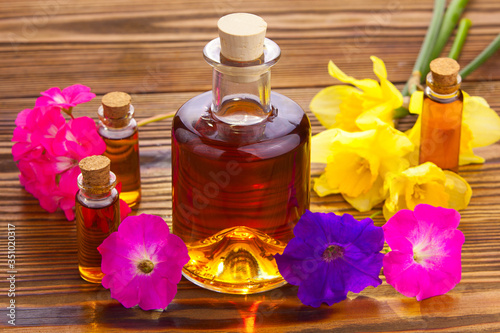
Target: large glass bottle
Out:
[240,168]
[442,115]
[97,213]
[118,128]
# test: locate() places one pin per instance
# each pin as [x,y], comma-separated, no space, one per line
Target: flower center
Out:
[418,192]
[333,252]
[146,266]
[363,166]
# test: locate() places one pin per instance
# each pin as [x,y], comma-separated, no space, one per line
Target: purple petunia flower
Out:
[142,262]
[330,256]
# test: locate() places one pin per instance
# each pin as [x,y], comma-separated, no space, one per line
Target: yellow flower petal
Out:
[370,118]
[392,142]
[366,201]
[326,106]
[379,68]
[350,173]
[416,102]
[467,156]
[458,190]
[321,145]
[370,87]
[322,188]
[482,121]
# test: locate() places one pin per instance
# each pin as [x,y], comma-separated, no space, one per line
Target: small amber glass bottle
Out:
[118,128]
[97,213]
[442,115]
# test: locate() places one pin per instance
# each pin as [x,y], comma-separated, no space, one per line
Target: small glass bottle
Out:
[118,128]
[442,115]
[240,165]
[97,213]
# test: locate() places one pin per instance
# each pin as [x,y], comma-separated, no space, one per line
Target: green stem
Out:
[430,38]
[375,214]
[458,43]
[155,118]
[450,21]
[482,57]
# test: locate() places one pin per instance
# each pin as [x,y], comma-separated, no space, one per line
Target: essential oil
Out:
[442,115]
[119,130]
[241,164]
[97,214]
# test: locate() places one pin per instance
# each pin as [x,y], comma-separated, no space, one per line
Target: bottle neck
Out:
[97,192]
[241,93]
[442,94]
[241,97]
[116,123]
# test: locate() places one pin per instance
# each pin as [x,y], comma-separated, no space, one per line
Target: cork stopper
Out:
[242,36]
[445,78]
[116,104]
[95,171]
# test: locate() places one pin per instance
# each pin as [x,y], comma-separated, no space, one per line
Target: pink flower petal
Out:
[77,94]
[442,218]
[432,266]
[402,273]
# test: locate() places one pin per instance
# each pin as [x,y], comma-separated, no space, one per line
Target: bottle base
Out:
[91,274]
[238,260]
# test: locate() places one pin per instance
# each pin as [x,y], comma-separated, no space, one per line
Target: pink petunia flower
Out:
[426,248]
[67,98]
[142,262]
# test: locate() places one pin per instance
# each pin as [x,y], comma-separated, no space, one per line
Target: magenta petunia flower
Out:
[330,256]
[67,98]
[142,262]
[426,248]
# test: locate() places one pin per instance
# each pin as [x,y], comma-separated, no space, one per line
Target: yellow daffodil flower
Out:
[428,184]
[480,127]
[357,108]
[357,163]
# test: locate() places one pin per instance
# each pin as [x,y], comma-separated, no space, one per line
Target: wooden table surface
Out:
[153,50]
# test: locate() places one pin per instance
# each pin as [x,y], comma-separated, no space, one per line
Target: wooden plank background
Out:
[152,49]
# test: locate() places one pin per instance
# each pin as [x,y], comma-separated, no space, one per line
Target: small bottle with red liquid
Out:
[442,115]
[97,213]
[118,128]
[240,165]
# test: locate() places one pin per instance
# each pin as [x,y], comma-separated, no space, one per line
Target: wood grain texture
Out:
[152,49]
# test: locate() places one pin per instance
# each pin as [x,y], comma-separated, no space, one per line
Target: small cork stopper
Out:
[242,36]
[116,104]
[95,170]
[444,75]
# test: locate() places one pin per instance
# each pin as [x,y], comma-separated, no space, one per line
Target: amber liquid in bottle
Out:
[94,224]
[238,191]
[124,155]
[440,134]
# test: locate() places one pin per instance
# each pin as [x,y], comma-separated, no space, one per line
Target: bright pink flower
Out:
[67,98]
[48,149]
[142,262]
[35,132]
[426,247]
